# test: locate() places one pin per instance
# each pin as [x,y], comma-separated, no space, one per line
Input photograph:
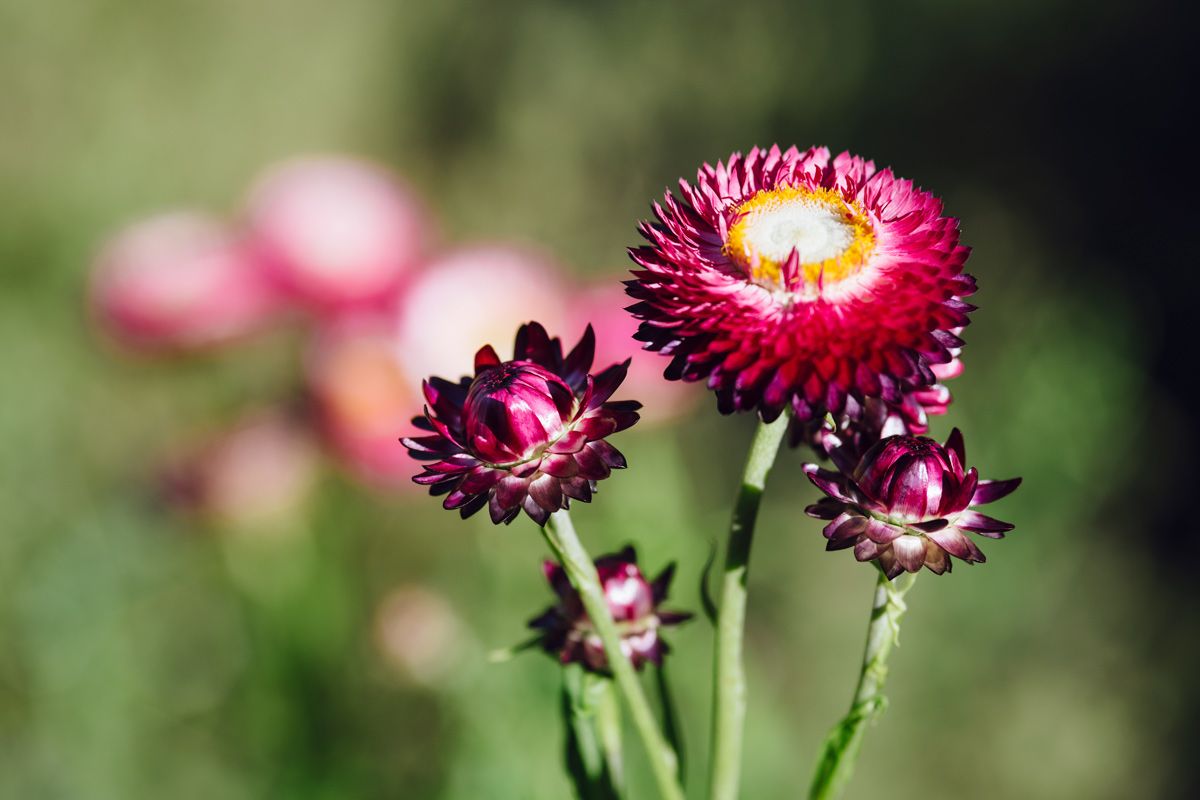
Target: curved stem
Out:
[581,570]
[839,753]
[729,674]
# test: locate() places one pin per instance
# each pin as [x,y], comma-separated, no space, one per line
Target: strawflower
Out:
[793,279]
[523,434]
[476,293]
[363,398]
[178,282]
[908,503]
[336,234]
[632,600]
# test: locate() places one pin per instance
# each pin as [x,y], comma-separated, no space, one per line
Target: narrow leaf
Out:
[710,607]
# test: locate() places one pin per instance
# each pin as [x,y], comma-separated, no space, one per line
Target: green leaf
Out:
[509,653]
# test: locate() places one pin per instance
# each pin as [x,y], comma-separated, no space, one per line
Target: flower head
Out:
[908,503]
[337,234]
[492,289]
[178,282]
[363,398]
[634,604]
[523,434]
[790,279]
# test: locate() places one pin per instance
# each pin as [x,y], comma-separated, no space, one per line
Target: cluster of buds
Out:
[567,630]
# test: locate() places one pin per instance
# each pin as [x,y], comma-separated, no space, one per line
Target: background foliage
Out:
[146,656]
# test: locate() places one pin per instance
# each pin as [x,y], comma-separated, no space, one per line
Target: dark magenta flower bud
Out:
[514,410]
[632,600]
[527,434]
[907,502]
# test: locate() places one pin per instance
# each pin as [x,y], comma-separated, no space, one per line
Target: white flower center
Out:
[831,237]
[812,228]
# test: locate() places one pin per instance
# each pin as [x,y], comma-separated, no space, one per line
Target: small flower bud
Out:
[907,502]
[633,602]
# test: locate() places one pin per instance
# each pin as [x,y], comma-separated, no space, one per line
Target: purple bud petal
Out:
[570,442]
[560,466]
[910,552]
[982,524]
[989,491]
[485,359]
[846,526]
[881,532]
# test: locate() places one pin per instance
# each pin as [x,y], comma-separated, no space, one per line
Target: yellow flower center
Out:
[832,238]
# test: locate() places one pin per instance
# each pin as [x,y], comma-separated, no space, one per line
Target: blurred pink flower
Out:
[259,470]
[337,232]
[178,281]
[603,305]
[365,398]
[417,631]
[475,295]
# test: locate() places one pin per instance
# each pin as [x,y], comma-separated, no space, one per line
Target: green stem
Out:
[839,753]
[581,570]
[583,752]
[608,723]
[729,674]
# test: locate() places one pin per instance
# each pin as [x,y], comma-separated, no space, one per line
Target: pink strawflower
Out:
[471,294]
[337,232]
[523,434]
[364,398]
[179,281]
[632,600]
[419,634]
[908,503]
[260,470]
[603,306]
[790,279]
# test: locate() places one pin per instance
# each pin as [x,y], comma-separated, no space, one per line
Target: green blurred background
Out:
[146,656]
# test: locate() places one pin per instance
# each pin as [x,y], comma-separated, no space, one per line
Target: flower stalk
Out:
[608,723]
[839,753]
[593,746]
[560,535]
[729,673]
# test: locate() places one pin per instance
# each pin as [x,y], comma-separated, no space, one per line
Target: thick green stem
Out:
[729,674]
[581,570]
[839,753]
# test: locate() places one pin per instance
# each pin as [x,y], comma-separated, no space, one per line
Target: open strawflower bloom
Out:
[792,280]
